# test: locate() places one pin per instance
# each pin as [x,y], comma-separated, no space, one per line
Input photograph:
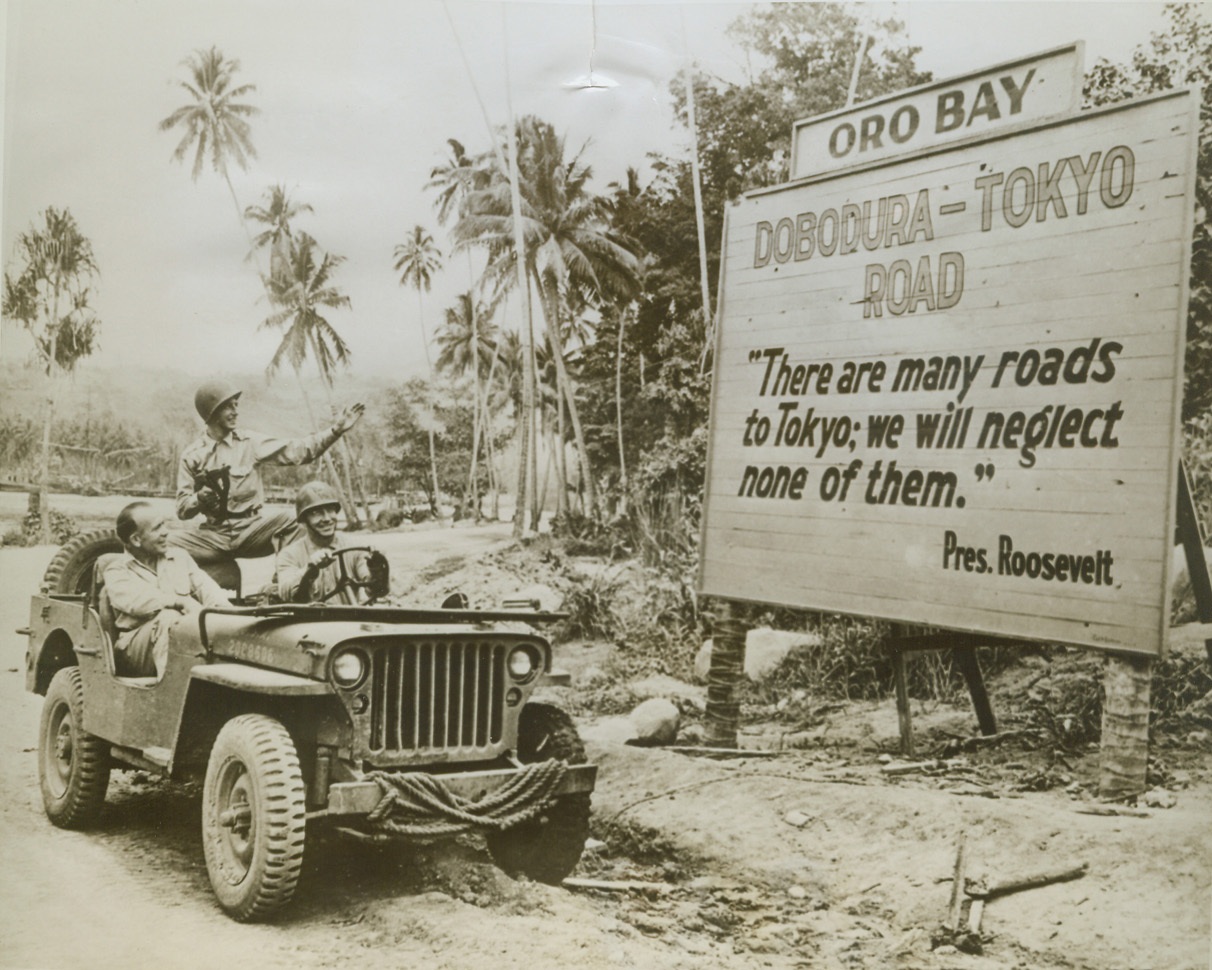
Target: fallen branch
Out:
[1114,810]
[906,768]
[966,744]
[987,889]
[618,885]
[726,752]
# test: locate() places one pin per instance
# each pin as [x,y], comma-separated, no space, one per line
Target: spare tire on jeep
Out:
[71,570]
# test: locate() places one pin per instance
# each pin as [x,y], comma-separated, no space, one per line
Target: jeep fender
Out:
[309,709]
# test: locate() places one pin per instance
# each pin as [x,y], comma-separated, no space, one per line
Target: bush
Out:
[63,527]
[1064,700]
[660,627]
[589,605]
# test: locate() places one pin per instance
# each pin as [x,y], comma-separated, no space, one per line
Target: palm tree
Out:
[417,260]
[214,121]
[56,265]
[276,216]
[216,127]
[454,178]
[467,341]
[571,252]
[301,291]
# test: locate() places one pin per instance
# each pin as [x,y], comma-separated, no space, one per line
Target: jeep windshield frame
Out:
[380,614]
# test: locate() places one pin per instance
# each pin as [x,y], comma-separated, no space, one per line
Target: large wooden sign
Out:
[947,389]
[1031,89]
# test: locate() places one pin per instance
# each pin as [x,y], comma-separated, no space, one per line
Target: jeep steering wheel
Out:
[376,585]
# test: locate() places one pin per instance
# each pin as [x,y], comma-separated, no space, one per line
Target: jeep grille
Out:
[437,695]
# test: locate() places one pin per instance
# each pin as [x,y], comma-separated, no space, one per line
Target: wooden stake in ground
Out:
[957,887]
[1124,754]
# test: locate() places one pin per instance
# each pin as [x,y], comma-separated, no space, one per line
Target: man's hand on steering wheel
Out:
[346,579]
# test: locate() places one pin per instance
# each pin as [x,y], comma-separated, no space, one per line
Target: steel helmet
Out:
[211,395]
[313,495]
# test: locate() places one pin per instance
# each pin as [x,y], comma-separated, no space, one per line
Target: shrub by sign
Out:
[947,387]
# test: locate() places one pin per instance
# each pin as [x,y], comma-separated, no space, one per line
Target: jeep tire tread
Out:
[73,765]
[71,569]
[547,848]
[253,817]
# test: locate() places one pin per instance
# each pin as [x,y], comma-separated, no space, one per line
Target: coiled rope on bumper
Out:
[415,803]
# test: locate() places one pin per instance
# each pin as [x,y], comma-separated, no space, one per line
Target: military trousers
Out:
[143,651]
[236,538]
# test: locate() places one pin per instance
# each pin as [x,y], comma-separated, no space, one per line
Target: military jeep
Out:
[381,722]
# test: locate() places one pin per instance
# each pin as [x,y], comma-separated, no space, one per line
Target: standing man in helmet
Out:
[307,570]
[220,478]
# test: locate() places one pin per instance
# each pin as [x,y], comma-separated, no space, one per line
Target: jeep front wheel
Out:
[547,848]
[73,765]
[253,817]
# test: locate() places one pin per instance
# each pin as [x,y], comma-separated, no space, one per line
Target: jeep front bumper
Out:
[361,797]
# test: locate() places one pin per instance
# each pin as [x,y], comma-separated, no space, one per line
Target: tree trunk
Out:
[519,257]
[519,507]
[344,484]
[618,405]
[494,483]
[566,386]
[433,453]
[52,373]
[723,712]
[546,472]
[561,467]
[475,378]
[532,469]
[1124,748]
[326,458]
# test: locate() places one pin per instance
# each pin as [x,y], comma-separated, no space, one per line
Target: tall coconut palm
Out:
[454,178]
[467,342]
[276,215]
[417,259]
[301,291]
[215,121]
[570,247]
[56,266]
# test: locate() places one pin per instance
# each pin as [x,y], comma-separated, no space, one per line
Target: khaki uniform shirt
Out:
[137,592]
[242,452]
[292,562]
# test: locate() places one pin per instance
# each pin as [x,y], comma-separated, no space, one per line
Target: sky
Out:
[356,102]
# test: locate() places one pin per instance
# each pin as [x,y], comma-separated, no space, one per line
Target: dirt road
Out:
[858,880]
[134,892]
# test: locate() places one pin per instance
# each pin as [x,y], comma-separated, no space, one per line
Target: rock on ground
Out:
[656,721]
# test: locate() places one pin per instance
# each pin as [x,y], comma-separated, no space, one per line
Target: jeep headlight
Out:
[349,668]
[523,663]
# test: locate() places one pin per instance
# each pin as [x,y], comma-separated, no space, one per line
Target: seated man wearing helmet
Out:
[307,570]
[220,478]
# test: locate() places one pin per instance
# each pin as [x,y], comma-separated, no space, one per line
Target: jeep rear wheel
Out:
[71,569]
[73,765]
[547,848]
[253,817]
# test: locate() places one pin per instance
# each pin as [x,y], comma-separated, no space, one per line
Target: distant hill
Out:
[156,401]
